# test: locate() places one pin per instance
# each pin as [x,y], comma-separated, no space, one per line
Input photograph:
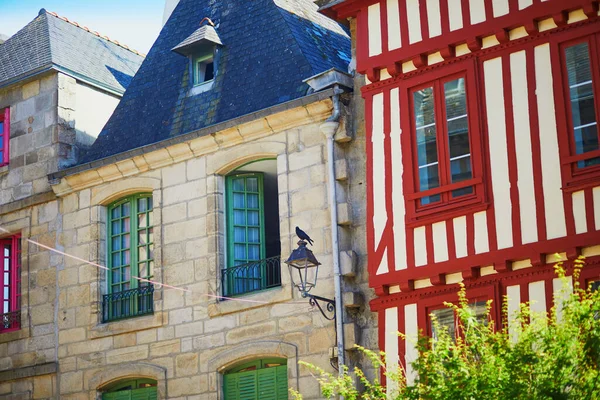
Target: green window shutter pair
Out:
[130,242]
[263,384]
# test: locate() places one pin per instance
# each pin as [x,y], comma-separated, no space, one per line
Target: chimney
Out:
[169,7]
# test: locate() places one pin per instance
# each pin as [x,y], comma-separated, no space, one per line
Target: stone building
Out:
[59,83]
[157,272]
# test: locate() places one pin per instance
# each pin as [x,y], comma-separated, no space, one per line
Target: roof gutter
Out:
[54,67]
[302,101]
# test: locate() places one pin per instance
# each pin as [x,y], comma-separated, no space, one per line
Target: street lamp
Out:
[304,270]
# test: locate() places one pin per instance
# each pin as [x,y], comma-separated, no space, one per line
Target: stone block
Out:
[184,387]
[307,157]
[249,332]
[195,328]
[127,354]
[310,199]
[71,382]
[348,263]
[125,340]
[174,174]
[71,335]
[344,211]
[147,336]
[352,300]
[351,335]
[162,349]
[186,364]
[341,169]
[196,168]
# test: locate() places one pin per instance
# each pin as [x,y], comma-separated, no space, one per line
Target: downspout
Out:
[329,128]
[341,82]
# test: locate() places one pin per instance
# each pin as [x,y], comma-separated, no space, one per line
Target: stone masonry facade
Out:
[63,349]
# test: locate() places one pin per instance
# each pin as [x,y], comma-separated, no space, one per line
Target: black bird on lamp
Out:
[303,235]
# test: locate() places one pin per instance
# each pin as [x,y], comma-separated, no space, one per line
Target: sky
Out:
[135,23]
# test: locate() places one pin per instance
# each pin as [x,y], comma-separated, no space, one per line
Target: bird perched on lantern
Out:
[303,235]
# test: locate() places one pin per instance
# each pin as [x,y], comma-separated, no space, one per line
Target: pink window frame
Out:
[5,136]
[14,285]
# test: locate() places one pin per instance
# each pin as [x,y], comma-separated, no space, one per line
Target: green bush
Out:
[547,357]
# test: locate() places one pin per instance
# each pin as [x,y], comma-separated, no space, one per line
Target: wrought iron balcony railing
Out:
[10,321]
[251,277]
[128,303]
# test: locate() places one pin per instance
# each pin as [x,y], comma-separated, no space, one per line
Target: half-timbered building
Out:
[483,157]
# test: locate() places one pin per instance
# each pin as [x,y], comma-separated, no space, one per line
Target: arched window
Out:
[130,255]
[137,389]
[253,240]
[265,379]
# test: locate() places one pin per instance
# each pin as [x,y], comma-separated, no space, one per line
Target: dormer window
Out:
[204,69]
[201,48]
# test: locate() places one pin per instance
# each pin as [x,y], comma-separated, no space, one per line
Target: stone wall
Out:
[192,337]
[42,129]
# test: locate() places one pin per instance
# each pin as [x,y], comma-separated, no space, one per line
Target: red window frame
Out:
[427,305]
[5,136]
[447,207]
[575,178]
[10,265]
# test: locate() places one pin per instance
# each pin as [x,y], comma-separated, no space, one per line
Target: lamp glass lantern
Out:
[304,268]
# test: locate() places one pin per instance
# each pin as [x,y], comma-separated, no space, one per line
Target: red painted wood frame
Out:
[10,264]
[5,136]
[575,178]
[539,10]
[416,214]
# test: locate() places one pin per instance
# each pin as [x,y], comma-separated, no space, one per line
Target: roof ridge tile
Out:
[95,33]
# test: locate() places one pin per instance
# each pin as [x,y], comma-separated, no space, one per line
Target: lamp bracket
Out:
[329,311]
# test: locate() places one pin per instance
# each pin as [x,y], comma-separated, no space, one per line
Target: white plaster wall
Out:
[93,107]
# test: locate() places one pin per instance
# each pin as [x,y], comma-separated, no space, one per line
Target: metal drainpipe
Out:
[329,128]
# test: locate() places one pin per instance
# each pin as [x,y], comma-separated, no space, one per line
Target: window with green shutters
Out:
[130,255]
[140,389]
[259,380]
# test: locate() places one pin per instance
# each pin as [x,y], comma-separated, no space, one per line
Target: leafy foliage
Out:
[543,356]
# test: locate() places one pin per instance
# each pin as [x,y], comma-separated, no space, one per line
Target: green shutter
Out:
[230,387]
[282,382]
[122,395]
[148,393]
[262,384]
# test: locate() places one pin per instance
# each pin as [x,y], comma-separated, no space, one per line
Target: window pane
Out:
[253,235]
[445,318]
[457,125]
[238,200]
[254,252]
[142,205]
[142,220]
[239,234]
[116,259]
[253,218]
[240,252]
[581,93]
[252,200]
[239,217]
[252,184]
[116,275]
[125,225]
[238,184]
[125,211]
[427,155]
[116,227]
[116,243]
[125,241]
[142,237]
[116,212]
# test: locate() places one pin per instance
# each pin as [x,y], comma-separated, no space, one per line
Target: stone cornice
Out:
[310,109]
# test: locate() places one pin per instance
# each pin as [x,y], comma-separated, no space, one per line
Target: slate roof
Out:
[51,41]
[269,47]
